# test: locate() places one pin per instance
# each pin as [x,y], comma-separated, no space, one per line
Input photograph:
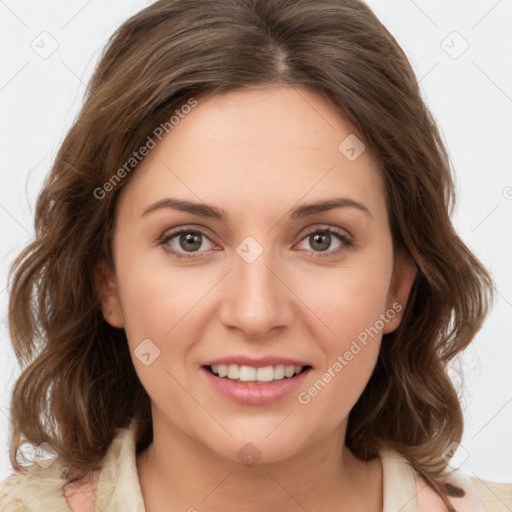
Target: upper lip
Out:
[259,362]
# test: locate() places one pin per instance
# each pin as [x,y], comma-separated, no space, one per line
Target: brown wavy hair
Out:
[78,383]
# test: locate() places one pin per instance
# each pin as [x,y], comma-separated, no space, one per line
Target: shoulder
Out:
[33,491]
[401,479]
[479,495]
[39,488]
[9,501]
[496,497]
[46,489]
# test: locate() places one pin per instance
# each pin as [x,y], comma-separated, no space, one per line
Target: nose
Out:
[255,300]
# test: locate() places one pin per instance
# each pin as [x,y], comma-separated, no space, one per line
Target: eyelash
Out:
[347,243]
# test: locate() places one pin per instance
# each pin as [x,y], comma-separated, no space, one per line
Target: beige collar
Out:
[406,491]
[119,489]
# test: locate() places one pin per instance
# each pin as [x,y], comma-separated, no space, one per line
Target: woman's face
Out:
[242,276]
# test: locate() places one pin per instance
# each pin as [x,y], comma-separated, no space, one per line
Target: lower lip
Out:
[255,393]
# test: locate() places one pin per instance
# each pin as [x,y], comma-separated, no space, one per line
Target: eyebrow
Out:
[206,210]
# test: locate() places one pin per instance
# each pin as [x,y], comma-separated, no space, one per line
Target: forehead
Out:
[257,146]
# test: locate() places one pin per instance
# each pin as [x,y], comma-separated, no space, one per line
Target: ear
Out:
[108,293]
[404,274]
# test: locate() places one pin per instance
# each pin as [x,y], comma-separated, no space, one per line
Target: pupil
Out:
[190,241]
[319,238]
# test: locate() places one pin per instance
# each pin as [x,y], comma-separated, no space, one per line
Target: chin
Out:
[254,448]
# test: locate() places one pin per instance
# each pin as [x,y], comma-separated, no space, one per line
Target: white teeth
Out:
[289,371]
[279,372]
[247,373]
[233,371]
[265,374]
[251,374]
[220,369]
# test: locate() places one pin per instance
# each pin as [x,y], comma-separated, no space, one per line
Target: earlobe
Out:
[403,278]
[108,293]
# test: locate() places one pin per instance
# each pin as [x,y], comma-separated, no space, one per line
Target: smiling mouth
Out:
[265,374]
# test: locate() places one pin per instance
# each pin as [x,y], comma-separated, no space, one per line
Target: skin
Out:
[257,153]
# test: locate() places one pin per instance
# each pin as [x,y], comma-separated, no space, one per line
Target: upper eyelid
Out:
[173,232]
[203,230]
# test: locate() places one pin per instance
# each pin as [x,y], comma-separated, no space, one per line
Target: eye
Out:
[321,239]
[187,243]
[184,241]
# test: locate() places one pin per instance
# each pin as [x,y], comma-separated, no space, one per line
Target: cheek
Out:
[351,303]
[161,307]
[333,392]
[158,299]
[350,346]
[347,300]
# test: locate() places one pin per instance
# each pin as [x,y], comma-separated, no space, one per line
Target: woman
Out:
[247,283]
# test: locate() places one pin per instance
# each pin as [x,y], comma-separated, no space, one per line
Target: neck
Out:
[323,477]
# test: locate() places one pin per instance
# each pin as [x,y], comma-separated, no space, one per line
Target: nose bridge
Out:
[255,300]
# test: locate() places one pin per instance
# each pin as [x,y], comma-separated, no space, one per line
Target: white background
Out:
[470,96]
